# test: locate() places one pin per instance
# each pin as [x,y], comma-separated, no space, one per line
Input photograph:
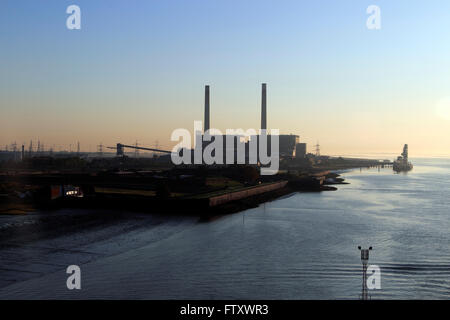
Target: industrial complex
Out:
[233,181]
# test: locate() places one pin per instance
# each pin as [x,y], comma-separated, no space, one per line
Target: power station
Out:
[289,145]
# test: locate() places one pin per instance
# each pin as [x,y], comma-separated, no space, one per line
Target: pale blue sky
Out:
[136,70]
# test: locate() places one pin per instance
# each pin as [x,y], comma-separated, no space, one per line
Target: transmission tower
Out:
[156,146]
[30,148]
[100,150]
[14,147]
[317,149]
[136,151]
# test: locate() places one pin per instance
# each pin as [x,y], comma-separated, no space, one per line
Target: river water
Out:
[303,246]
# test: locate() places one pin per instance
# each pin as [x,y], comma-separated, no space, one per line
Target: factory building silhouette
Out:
[236,144]
[288,143]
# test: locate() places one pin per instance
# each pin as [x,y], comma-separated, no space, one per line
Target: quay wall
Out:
[232,196]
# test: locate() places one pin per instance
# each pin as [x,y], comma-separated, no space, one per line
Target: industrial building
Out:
[287,142]
[300,150]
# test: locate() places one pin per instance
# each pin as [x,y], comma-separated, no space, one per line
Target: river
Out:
[302,246]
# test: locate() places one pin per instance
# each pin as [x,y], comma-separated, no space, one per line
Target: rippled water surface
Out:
[303,246]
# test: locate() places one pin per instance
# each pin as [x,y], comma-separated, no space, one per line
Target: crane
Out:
[120,149]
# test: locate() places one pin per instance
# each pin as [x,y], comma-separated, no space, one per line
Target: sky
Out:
[136,71]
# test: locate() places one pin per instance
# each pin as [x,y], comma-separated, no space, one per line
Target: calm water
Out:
[300,247]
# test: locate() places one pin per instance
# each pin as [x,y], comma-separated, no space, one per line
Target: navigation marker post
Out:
[365,261]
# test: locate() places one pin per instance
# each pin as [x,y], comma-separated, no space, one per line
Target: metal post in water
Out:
[365,261]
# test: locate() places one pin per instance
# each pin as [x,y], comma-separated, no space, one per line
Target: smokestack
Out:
[264,107]
[206,124]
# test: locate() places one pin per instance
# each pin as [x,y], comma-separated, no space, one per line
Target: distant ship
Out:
[402,163]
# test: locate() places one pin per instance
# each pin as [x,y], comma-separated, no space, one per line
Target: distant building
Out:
[288,144]
[230,144]
[300,150]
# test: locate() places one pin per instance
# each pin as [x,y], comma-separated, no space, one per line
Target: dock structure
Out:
[216,200]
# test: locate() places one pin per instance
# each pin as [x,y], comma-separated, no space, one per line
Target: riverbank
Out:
[218,201]
[192,191]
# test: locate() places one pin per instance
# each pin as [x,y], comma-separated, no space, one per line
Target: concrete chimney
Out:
[206,124]
[264,107]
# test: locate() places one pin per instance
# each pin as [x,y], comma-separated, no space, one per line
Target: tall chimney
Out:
[264,107]
[206,124]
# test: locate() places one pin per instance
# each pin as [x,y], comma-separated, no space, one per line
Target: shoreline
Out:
[227,201]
